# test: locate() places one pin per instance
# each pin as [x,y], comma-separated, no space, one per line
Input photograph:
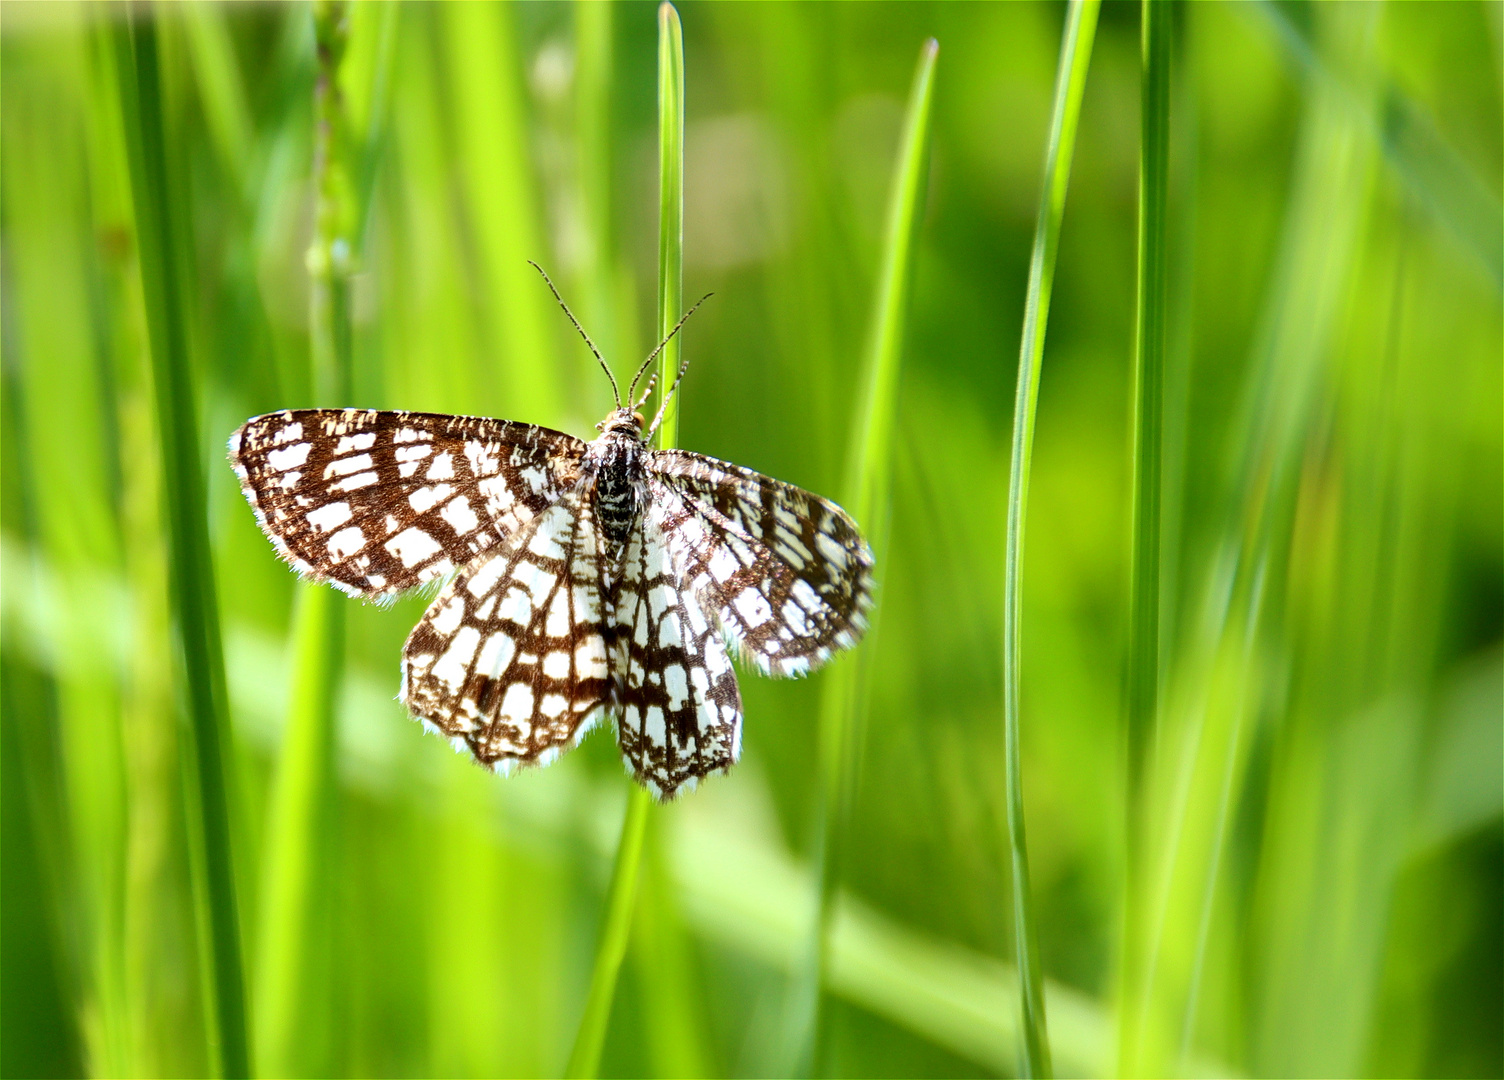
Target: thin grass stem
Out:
[297,840]
[865,494]
[869,459]
[190,568]
[670,207]
[1070,81]
[330,259]
[1143,682]
[492,156]
[584,1060]
[300,829]
[594,64]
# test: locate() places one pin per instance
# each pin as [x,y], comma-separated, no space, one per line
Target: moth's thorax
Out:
[625,421]
[616,461]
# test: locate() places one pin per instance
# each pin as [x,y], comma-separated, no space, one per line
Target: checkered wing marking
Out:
[379,502]
[680,711]
[783,572]
[510,661]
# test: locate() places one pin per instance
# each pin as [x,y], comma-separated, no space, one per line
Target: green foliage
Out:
[1321,847]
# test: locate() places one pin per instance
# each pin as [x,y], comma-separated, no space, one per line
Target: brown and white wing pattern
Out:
[571,599]
[679,711]
[379,502]
[510,661]
[782,572]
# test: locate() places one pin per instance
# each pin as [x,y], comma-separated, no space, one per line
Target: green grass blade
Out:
[584,1060]
[1310,858]
[595,181]
[191,575]
[865,495]
[296,848]
[494,162]
[869,460]
[662,957]
[62,432]
[670,206]
[1148,390]
[1070,81]
[217,80]
[663,961]
[295,883]
[330,260]
[366,88]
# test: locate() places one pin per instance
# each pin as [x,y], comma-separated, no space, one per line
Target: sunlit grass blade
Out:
[218,83]
[596,176]
[1070,81]
[366,86]
[331,256]
[295,880]
[584,1059]
[670,208]
[297,851]
[869,458]
[492,143]
[1204,899]
[191,574]
[865,494]
[62,432]
[1144,670]
[662,958]
[663,962]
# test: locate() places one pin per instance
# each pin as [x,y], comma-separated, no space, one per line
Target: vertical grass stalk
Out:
[190,567]
[1070,81]
[492,155]
[865,495]
[869,459]
[598,273]
[670,206]
[298,845]
[1143,681]
[584,1060]
[331,256]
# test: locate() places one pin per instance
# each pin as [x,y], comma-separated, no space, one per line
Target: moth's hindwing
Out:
[680,710]
[510,660]
[785,573]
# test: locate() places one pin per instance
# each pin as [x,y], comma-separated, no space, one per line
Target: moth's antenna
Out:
[647,390]
[683,367]
[616,393]
[658,419]
[654,354]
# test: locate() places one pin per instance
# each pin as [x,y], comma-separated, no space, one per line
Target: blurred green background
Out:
[1326,893]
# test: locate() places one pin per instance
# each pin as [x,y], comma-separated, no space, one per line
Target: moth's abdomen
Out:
[619,490]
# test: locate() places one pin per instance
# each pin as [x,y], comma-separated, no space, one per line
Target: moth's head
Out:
[624,419]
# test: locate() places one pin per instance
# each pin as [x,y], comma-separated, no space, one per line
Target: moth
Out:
[581,580]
